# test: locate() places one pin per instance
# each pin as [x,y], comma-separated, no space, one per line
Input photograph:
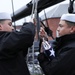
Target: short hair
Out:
[70,23]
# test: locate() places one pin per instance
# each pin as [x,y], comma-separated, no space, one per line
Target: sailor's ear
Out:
[72,29]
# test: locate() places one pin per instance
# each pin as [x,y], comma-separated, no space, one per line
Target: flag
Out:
[48,50]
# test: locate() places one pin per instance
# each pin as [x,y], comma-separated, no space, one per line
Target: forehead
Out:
[7,21]
[62,22]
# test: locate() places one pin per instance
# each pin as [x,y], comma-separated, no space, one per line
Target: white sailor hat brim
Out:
[4,15]
[68,17]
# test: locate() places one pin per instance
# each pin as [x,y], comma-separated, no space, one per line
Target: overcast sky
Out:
[6,6]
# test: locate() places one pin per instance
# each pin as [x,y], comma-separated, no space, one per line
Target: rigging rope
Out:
[13,13]
[34,16]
